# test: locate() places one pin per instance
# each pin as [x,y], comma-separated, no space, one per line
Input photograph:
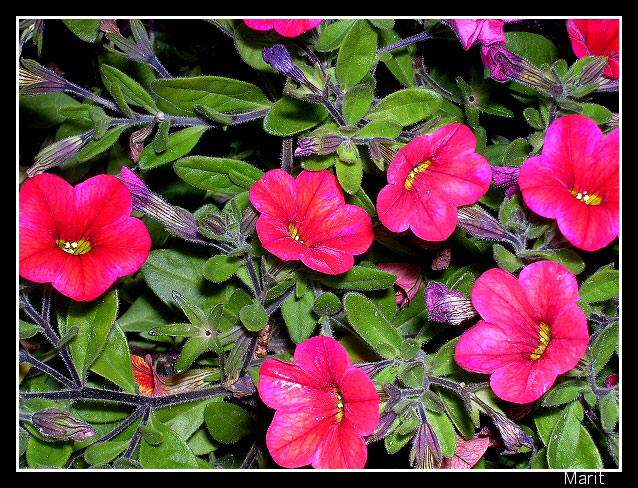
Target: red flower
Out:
[307,218]
[576,181]
[597,37]
[532,330]
[429,178]
[324,406]
[79,239]
[284,27]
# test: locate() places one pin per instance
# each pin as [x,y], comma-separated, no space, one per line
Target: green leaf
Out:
[171,453]
[95,147]
[332,36]
[213,174]
[349,175]
[444,363]
[360,278]
[445,432]
[290,116]
[564,439]
[250,44]
[505,259]
[253,316]
[178,144]
[131,90]
[86,29]
[94,321]
[217,93]
[356,54]
[537,49]
[191,350]
[327,304]
[221,268]
[601,286]
[114,363]
[356,102]
[299,317]
[609,411]
[372,325]
[407,106]
[43,454]
[604,346]
[380,128]
[104,452]
[564,392]
[227,423]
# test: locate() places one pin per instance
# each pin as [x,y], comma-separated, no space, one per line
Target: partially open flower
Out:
[482,31]
[80,239]
[324,407]
[35,79]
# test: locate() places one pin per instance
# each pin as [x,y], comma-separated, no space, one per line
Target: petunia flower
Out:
[80,239]
[483,31]
[531,330]
[575,180]
[152,384]
[284,27]
[307,218]
[324,407]
[597,37]
[429,178]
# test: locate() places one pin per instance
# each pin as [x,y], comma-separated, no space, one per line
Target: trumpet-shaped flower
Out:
[324,406]
[429,178]
[307,218]
[80,239]
[597,37]
[484,31]
[284,27]
[575,180]
[531,330]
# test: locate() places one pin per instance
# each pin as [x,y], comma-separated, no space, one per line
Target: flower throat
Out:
[420,168]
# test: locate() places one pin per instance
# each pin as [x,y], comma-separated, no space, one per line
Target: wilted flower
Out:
[307,218]
[513,436]
[152,384]
[80,239]
[324,407]
[429,178]
[284,27]
[447,305]
[410,279]
[57,153]
[575,180]
[531,330]
[468,452]
[506,177]
[597,37]
[58,424]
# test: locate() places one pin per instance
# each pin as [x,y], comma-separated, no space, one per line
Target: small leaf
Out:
[299,317]
[356,54]
[601,286]
[104,452]
[289,116]
[221,268]
[178,144]
[131,90]
[609,411]
[406,106]
[227,423]
[253,316]
[327,304]
[564,439]
[360,278]
[564,392]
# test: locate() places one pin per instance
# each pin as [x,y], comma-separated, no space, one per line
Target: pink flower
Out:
[429,178]
[484,31]
[284,27]
[79,239]
[531,330]
[597,37]
[576,181]
[307,218]
[324,406]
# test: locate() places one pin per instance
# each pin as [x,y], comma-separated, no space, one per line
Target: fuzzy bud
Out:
[58,424]
[513,436]
[35,79]
[279,58]
[479,223]
[321,145]
[57,153]
[426,449]
[447,305]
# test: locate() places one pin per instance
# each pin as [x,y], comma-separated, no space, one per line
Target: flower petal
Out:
[569,339]
[323,359]
[295,27]
[361,401]
[342,448]
[273,195]
[523,381]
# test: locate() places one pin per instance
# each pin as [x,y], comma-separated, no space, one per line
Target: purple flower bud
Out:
[479,223]
[57,153]
[321,145]
[513,436]
[426,449]
[279,58]
[447,305]
[35,79]
[58,424]
[506,177]
[384,428]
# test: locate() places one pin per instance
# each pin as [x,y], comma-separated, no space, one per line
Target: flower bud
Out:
[35,79]
[384,428]
[426,449]
[58,424]
[321,145]
[279,58]
[447,305]
[593,70]
[479,223]
[57,153]
[506,177]
[513,436]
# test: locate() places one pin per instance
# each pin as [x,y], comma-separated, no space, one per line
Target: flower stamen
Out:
[339,405]
[585,198]
[544,335]
[294,233]
[420,168]
[76,248]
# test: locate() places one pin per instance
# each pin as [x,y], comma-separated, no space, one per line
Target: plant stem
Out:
[25,357]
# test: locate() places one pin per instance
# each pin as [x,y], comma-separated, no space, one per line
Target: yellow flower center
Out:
[544,335]
[420,168]
[585,198]
[294,232]
[76,248]
[339,405]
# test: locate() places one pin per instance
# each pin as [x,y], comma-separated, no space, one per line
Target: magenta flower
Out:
[324,406]
[483,31]
[284,27]
[307,218]
[575,180]
[531,330]
[597,37]
[429,178]
[79,239]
